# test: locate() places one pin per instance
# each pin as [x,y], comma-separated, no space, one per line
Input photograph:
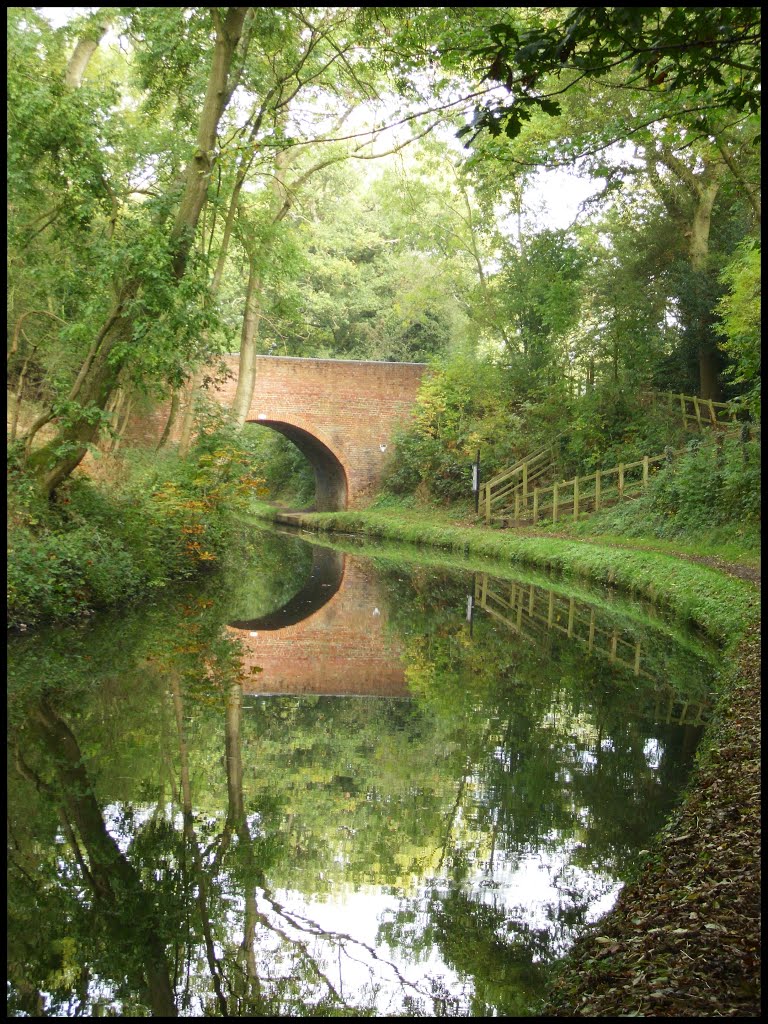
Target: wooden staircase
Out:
[507,492]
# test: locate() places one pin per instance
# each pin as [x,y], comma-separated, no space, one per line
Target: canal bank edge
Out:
[684,937]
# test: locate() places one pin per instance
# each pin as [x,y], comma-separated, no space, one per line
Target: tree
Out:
[739,313]
[712,54]
[116,339]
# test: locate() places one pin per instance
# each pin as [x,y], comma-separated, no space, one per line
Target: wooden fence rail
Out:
[697,413]
[515,496]
[496,493]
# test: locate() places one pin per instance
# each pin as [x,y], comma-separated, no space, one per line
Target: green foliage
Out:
[287,474]
[710,52]
[711,485]
[468,406]
[739,312]
[610,425]
[462,406]
[166,520]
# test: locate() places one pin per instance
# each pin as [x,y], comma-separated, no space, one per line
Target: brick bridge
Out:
[330,638]
[340,413]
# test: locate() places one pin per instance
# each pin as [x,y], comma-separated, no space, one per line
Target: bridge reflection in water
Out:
[330,638]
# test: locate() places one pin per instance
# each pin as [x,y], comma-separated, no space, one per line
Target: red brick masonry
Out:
[342,413]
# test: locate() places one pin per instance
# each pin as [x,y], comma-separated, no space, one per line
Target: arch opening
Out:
[323,582]
[331,486]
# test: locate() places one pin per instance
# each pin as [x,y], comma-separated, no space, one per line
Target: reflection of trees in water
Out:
[188,818]
[162,906]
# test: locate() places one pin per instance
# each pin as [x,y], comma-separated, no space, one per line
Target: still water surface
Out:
[335,785]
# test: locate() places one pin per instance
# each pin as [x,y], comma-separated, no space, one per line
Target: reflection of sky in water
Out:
[529,888]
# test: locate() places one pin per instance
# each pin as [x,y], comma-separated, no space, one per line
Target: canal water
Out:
[335,783]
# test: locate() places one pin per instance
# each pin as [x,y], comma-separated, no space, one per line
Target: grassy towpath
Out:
[684,937]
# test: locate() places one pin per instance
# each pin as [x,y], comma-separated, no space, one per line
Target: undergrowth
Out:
[158,519]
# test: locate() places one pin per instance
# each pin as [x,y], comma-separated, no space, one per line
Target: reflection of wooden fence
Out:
[673,711]
[534,611]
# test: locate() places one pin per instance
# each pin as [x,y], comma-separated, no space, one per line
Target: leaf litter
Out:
[684,937]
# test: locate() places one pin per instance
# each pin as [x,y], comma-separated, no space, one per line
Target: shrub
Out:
[94,547]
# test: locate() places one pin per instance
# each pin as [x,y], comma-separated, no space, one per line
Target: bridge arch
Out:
[331,481]
[343,414]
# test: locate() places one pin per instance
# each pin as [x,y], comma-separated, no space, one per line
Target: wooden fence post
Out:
[554,502]
[525,481]
[682,409]
[488,503]
[575,497]
[570,618]
[697,409]
[535,505]
[598,475]
[517,506]
[645,471]
[621,480]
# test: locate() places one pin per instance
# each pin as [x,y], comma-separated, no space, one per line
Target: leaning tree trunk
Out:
[54,462]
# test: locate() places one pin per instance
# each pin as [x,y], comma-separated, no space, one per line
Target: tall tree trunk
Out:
[188,419]
[50,465]
[703,187]
[246,377]
[173,415]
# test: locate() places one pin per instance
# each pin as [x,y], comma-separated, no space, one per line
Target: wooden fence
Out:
[697,413]
[589,493]
[500,491]
[514,496]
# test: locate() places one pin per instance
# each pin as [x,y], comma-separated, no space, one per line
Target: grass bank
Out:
[709,600]
[684,938]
